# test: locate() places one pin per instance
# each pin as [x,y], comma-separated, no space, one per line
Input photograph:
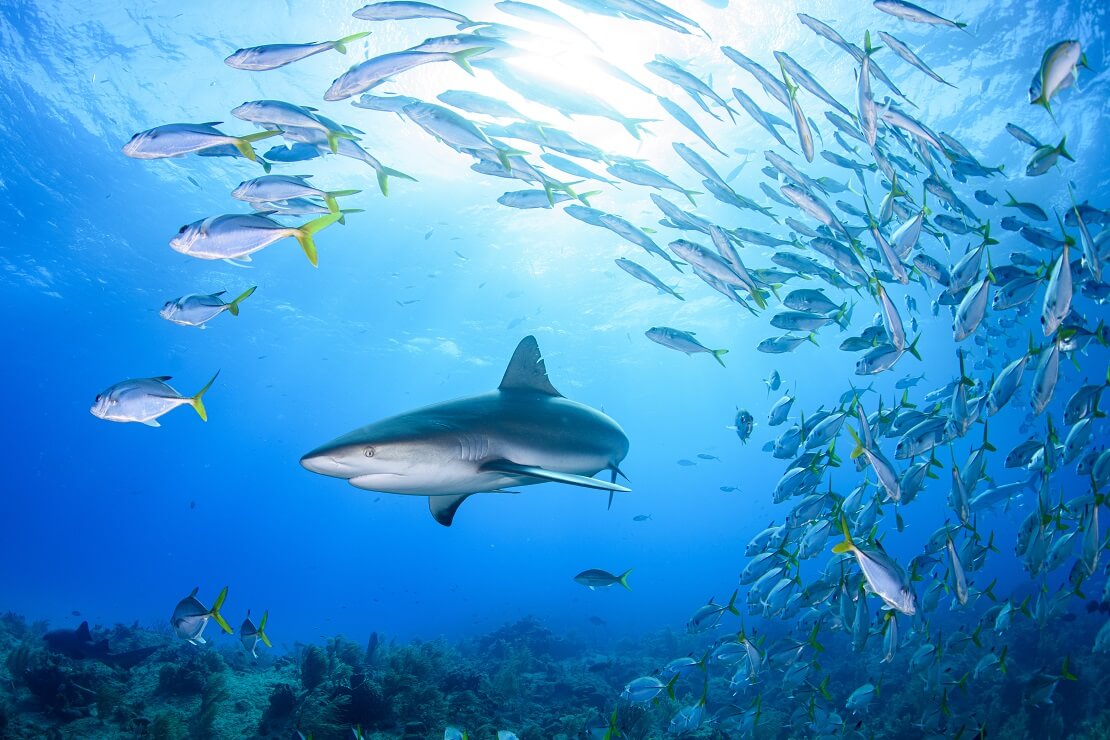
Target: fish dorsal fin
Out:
[83,633]
[526,371]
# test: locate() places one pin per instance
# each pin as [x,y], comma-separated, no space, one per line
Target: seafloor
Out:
[521,677]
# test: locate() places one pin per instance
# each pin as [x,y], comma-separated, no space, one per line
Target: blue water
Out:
[423,296]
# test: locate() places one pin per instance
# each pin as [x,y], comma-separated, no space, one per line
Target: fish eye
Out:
[369,452]
[182,229]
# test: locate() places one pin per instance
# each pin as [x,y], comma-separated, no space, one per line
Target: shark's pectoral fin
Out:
[511,468]
[443,508]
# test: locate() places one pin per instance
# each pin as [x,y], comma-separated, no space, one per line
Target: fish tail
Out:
[847,545]
[732,603]
[384,173]
[1002,659]
[813,338]
[812,641]
[504,154]
[335,136]
[215,613]
[343,214]
[462,58]
[329,198]
[1065,673]
[623,579]
[305,234]
[912,348]
[588,194]
[243,143]
[718,354]
[1064,152]
[196,401]
[262,630]
[690,196]
[868,48]
[859,445]
[233,307]
[340,45]
[632,125]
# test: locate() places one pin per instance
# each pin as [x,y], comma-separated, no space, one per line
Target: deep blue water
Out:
[424,295]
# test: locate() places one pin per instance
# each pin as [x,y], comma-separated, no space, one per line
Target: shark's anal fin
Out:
[443,508]
[511,468]
[526,371]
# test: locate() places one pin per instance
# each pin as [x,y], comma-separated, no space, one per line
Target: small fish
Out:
[285,116]
[273,56]
[643,689]
[683,341]
[780,410]
[1058,71]
[595,579]
[237,236]
[644,275]
[402,10]
[198,309]
[190,617]
[709,615]
[144,400]
[377,70]
[907,54]
[1045,158]
[915,13]
[641,517]
[179,139]
[785,343]
[884,577]
[744,425]
[276,188]
[250,635]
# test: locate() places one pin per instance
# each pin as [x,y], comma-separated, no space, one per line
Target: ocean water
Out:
[422,296]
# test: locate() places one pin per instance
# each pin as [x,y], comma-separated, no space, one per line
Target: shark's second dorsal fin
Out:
[526,371]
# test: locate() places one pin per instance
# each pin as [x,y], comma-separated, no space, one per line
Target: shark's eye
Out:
[369,452]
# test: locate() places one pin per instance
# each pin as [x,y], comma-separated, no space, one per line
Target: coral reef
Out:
[522,676]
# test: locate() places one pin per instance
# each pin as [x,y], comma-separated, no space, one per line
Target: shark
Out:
[78,644]
[523,433]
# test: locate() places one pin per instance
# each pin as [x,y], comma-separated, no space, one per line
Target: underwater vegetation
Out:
[539,684]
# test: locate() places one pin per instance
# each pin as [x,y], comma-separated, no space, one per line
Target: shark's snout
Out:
[326,462]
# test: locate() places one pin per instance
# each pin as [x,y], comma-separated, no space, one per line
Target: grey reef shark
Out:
[524,432]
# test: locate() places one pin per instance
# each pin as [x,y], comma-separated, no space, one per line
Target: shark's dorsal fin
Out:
[526,371]
[443,508]
[83,633]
